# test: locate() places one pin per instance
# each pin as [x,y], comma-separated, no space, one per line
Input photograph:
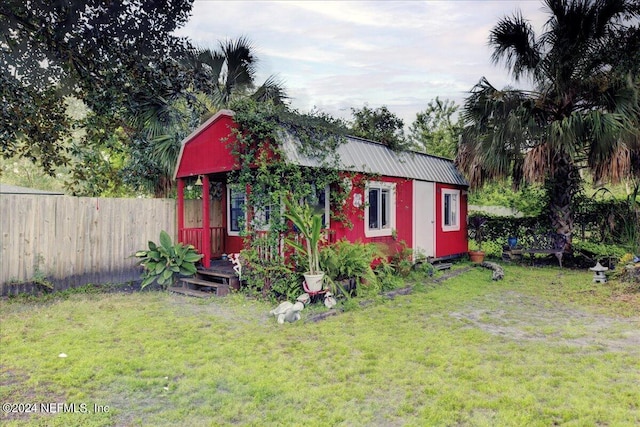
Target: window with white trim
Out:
[450,210]
[319,201]
[261,218]
[261,215]
[236,213]
[380,209]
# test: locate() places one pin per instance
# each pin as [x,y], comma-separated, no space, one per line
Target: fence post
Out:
[180,208]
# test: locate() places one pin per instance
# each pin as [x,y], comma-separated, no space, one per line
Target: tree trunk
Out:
[162,187]
[562,188]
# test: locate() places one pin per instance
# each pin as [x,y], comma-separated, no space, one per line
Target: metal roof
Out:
[361,155]
[14,189]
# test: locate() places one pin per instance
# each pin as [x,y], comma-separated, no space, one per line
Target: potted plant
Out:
[476,232]
[309,225]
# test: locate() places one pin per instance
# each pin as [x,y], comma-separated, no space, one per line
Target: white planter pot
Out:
[314,281]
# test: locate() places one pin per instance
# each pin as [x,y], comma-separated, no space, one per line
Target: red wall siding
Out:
[404,222]
[207,152]
[233,244]
[451,242]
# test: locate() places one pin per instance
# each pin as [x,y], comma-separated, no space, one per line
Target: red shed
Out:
[415,198]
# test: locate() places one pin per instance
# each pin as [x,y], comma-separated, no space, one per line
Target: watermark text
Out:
[53,408]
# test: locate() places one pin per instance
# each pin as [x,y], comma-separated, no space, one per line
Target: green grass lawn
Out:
[543,347]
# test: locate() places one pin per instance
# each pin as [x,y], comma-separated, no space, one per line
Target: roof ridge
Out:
[409,151]
[363,155]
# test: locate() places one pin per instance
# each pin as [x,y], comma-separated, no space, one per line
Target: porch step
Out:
[205,286]
[211,273]
[442,266]
[190,292]
[229,279]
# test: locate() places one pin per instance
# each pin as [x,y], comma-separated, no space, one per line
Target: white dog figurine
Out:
[304,298]
[329,300]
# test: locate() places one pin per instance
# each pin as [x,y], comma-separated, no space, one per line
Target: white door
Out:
[424,218]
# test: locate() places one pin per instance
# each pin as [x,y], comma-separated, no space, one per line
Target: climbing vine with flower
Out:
[268,177]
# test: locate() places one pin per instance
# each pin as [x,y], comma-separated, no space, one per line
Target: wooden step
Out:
[442,266]
[190,292]
[230,279]
[200,282]
[219,289]
[216,274]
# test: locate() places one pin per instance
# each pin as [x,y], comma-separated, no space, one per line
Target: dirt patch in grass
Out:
[520,317]
[21,398]
[244,311]
[633,299]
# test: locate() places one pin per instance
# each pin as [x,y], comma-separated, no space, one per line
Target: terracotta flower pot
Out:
[476,256]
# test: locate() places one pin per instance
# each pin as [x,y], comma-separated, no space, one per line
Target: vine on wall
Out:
[267,177]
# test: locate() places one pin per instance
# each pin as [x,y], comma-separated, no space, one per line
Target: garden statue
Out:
[281,309]
[237,266]
[598,273]
[290,312]
[329,300]
[304,298]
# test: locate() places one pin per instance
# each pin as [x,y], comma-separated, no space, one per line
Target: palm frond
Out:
[210,62]
[210,105]
[537,164]
[271,90]
[240,66]
[513,41]
[615,167]
[166,149]
[154,115]
[500,126]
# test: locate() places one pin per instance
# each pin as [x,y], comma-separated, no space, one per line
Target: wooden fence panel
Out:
[77,240]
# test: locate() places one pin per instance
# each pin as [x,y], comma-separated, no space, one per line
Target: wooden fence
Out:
[76,240]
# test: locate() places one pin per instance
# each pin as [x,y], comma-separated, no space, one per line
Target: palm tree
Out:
[582,110]
[230,72]
[219,77]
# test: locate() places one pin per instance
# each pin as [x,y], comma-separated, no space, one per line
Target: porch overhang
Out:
[207,149]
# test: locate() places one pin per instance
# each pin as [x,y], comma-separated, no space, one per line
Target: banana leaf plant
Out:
[309,225]
[476,229]
[165,262]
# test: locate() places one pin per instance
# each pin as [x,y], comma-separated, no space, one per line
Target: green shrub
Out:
[599,250]
[402,260]
[491,248]
[387,277]
[500,228]
[345,260]
[422,268]
[271,278]
[530,199]
[165,262]
[602,218]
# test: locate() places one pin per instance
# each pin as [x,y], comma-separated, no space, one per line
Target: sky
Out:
[338,55]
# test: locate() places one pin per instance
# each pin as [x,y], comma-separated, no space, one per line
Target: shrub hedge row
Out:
[614,222]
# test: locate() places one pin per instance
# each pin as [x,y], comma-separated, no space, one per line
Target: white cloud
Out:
[338,55]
